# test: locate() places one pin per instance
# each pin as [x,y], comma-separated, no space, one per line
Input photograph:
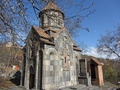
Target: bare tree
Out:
[83,47]
[12,19]
[16,16]
[9,54]
[110,43]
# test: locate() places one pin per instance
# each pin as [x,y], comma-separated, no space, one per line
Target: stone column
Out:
[27,75]
[27,70]
[37,72]
[86,66]
[88,78]
[22,71]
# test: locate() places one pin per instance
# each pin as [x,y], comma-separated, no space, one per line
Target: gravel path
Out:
[107,86]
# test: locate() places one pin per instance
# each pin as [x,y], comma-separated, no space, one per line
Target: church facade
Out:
[51,58]
[50,55]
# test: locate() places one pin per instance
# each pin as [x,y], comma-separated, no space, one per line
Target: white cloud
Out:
[92,51]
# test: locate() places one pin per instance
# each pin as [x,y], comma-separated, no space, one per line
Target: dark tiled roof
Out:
[51,5]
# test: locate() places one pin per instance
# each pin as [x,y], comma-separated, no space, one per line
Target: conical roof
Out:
[51,5]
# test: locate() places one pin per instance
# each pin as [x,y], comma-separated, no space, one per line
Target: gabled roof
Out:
[74,44]
[44,37]
[41,32]
[75,47]
[51,5]
[57,33]
[97,61]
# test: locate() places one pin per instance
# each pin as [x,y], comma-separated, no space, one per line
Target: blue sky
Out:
[106,18]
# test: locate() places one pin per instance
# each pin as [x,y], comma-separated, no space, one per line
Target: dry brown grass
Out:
[5,83]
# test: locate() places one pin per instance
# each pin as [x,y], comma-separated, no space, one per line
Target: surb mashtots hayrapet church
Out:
[51,58]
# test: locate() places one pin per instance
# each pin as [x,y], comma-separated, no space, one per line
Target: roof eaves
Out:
[98,62]
[41,32]
[77,49]
[47,41]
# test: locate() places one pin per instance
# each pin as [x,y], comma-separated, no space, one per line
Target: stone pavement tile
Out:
[111,88]
[98,88]
[76,87]
[91,88]
[16,88]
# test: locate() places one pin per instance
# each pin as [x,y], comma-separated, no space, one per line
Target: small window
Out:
[65,63]
[49,20]
[51,56]
[65,59]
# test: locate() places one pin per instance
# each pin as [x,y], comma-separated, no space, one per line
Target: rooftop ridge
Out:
[51,5]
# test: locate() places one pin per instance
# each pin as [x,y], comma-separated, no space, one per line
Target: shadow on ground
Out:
[16,79]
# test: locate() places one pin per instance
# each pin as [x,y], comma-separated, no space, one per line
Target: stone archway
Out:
[32,78]
[95,71]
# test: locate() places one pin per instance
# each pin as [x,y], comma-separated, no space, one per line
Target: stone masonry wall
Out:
[59,64]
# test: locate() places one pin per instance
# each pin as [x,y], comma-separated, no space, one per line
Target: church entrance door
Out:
[93,73]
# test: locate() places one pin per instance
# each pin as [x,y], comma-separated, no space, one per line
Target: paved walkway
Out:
[84,87]
[14,88]
[77,87]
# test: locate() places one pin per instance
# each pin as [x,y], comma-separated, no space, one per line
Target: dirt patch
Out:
[5,83]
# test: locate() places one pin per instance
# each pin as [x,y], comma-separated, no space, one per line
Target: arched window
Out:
[51,56]
[64,41]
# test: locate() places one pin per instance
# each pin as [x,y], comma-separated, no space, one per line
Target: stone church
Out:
[51,59]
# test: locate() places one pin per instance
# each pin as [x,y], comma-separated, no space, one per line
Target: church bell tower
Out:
[51,17]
